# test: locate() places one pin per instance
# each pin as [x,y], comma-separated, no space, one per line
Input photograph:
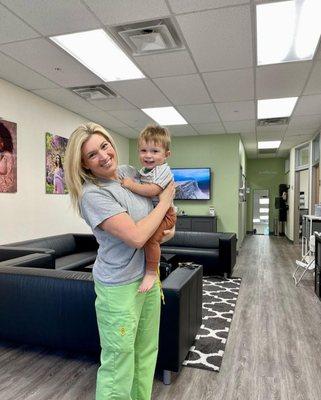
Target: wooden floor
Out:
[273,349]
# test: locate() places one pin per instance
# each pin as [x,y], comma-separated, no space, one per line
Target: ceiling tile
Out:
[308,105]
[299,132]
[281,80]
[314,83]
[133,118]
[54,17]
[128,132]
[230,85]
[141,92]
[272,129]
[236,111]
[103,118]
[250,144]
[199,113]
[166,64]
[270,136]
[12,28]
[65,98]
[75,103]
[123,11]
[44,57]
[187,89]
[22,76]
[219,39]
[312,122]
[269,155]
[113,104]
[240,126]
[248,136]
[183,6]
[215,128]
[181,130]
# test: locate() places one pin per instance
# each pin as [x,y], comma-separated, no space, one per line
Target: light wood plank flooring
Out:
[273,349]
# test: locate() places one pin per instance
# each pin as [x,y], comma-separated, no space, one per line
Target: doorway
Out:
[301,201]
[261,212]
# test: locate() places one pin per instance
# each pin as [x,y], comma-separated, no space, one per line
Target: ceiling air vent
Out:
[95,92]
[149,36]
[267,151]
[273,121]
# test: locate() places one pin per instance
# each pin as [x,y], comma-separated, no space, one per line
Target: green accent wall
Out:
[265,173]
[222,154]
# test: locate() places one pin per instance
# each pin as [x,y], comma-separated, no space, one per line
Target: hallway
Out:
[273,349]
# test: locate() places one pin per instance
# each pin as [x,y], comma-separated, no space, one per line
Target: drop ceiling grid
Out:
[207,61]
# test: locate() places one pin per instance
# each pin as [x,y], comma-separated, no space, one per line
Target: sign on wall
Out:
[55,155]
[8,157]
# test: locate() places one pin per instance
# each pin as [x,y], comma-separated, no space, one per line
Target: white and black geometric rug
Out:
[219,299]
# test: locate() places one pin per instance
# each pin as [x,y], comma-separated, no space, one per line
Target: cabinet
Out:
[196,223]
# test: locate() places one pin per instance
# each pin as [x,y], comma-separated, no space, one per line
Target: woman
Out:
[58,177]
[6,160]
[122,222]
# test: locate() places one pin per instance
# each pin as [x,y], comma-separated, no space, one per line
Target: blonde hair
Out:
[75,173]
[156,134]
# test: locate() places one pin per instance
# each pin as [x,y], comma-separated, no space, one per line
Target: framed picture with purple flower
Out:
[55,155]
[8,157]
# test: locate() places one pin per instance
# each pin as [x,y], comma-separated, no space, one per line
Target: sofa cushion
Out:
[194,239]
[76,260]
[61,244]
[191,251]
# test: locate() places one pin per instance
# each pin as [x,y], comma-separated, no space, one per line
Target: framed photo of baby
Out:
[8,157]
[55,155]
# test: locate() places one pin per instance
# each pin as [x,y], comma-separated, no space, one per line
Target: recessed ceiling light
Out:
[275,108]
[165,116]
[99,53]
[287,31]
[269,144]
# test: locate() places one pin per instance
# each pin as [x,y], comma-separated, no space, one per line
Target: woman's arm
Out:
[135,234]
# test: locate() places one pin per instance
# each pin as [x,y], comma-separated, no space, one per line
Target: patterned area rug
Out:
[219,299]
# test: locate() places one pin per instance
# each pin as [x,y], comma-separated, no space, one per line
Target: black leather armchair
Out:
[56,309]
[215,251]
[67,251]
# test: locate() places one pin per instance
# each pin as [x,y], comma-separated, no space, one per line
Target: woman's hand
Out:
[168,194]
[168,234]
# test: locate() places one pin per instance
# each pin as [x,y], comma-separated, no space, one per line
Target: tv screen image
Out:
[192,183]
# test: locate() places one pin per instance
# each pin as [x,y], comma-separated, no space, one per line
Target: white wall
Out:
[31,213]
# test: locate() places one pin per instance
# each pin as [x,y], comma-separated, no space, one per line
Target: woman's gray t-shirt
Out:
[116,262]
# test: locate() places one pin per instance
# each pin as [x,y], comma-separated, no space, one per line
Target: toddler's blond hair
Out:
[156,134]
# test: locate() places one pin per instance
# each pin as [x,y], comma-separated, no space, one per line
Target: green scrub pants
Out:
[128,323]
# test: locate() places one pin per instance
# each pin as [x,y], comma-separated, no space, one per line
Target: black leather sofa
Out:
[55,308]
[215,251]
[67,251]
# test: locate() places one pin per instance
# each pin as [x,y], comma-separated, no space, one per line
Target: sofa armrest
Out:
[51,308]
[85,242]
[9,252]
[34,260]
[181,316]
[227,251]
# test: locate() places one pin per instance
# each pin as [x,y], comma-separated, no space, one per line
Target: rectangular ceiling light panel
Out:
[100,54]
[165,116]
[287,30]
[275,108]
[269,144]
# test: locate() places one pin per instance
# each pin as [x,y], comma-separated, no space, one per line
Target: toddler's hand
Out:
[127,182]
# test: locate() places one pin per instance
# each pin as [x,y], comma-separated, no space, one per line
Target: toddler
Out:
[155,174]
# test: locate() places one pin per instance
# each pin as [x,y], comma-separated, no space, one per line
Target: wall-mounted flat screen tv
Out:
[192,183]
